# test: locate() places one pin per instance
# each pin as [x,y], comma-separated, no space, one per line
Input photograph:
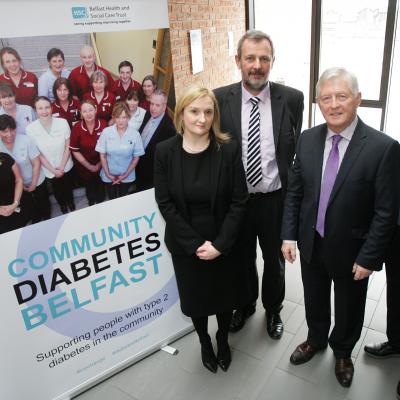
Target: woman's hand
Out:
[120,178]
[207,251]
[114,179]
[94,167]
[7,210]
[30,188]
[58,172]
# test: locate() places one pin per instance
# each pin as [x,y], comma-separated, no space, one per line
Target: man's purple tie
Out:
[331,169]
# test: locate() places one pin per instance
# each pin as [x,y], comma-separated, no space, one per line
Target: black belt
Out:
[261,194]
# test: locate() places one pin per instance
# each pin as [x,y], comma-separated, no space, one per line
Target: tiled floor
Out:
[260,368]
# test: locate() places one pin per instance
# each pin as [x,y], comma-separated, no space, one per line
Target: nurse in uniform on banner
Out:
[55,58]
[137,113]
[10,194]
[22,113]
[102,97]
[84,137]
[149,85]
[35,204]
[25,83]
[64,105]
[51,136]
[125,83]
[120,147]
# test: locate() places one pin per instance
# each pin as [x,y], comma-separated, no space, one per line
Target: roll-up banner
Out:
[84,294]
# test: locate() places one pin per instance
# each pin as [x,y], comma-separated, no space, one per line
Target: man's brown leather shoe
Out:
[344,371]
[304,352]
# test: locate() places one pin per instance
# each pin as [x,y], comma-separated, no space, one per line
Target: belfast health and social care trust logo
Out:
[79,12]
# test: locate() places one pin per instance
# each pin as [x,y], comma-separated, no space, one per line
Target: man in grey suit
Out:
[341,208]
[266,118]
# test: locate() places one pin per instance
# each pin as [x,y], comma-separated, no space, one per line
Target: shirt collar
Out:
[23,74]
[105,95]
[58,105]
[83,70]
[264,95]
[347,133]
[96,126]
[157,118]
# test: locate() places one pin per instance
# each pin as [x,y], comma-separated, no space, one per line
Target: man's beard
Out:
[255,85]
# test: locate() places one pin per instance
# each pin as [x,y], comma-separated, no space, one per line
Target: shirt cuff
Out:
[289,242]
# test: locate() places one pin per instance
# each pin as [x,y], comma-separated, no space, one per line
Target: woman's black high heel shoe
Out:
[208,357]
[224,356]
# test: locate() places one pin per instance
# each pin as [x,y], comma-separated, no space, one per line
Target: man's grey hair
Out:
[338,72]
[256,36]
[159,92]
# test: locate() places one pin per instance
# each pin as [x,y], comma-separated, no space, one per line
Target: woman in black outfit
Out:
[201,192]
[11,185]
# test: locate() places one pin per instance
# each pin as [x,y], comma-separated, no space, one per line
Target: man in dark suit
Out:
[266,118]
[156,127]
[391,347]
[341,208]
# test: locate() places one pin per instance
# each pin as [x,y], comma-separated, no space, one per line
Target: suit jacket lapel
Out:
[353,150]
[235,107]
[318,159]
[277,105]
[157,132]
[216,158]
[145,119]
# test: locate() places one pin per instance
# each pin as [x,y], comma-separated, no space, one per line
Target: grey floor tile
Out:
[374,379]
[267,365]
[225,385]
[378,321]
[253,339]
[296,319]
[105,391]
[358,347]
[156,380]
[376,285]
[281,385]
[287,310]
[370,307]
[294,287]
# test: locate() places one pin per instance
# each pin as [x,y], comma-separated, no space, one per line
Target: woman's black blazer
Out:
[228,202]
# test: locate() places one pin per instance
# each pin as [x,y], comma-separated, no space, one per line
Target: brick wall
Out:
[215,18]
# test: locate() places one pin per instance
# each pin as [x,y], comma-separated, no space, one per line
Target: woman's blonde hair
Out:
[189,96]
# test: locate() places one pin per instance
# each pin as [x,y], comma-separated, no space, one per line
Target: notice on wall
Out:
[196,48]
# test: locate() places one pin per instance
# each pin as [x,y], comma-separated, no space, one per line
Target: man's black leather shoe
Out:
[274,326]
[398,390]
[381,350]
[344,371]
[239,318]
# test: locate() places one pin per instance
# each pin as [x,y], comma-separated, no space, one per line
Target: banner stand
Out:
[123,365]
